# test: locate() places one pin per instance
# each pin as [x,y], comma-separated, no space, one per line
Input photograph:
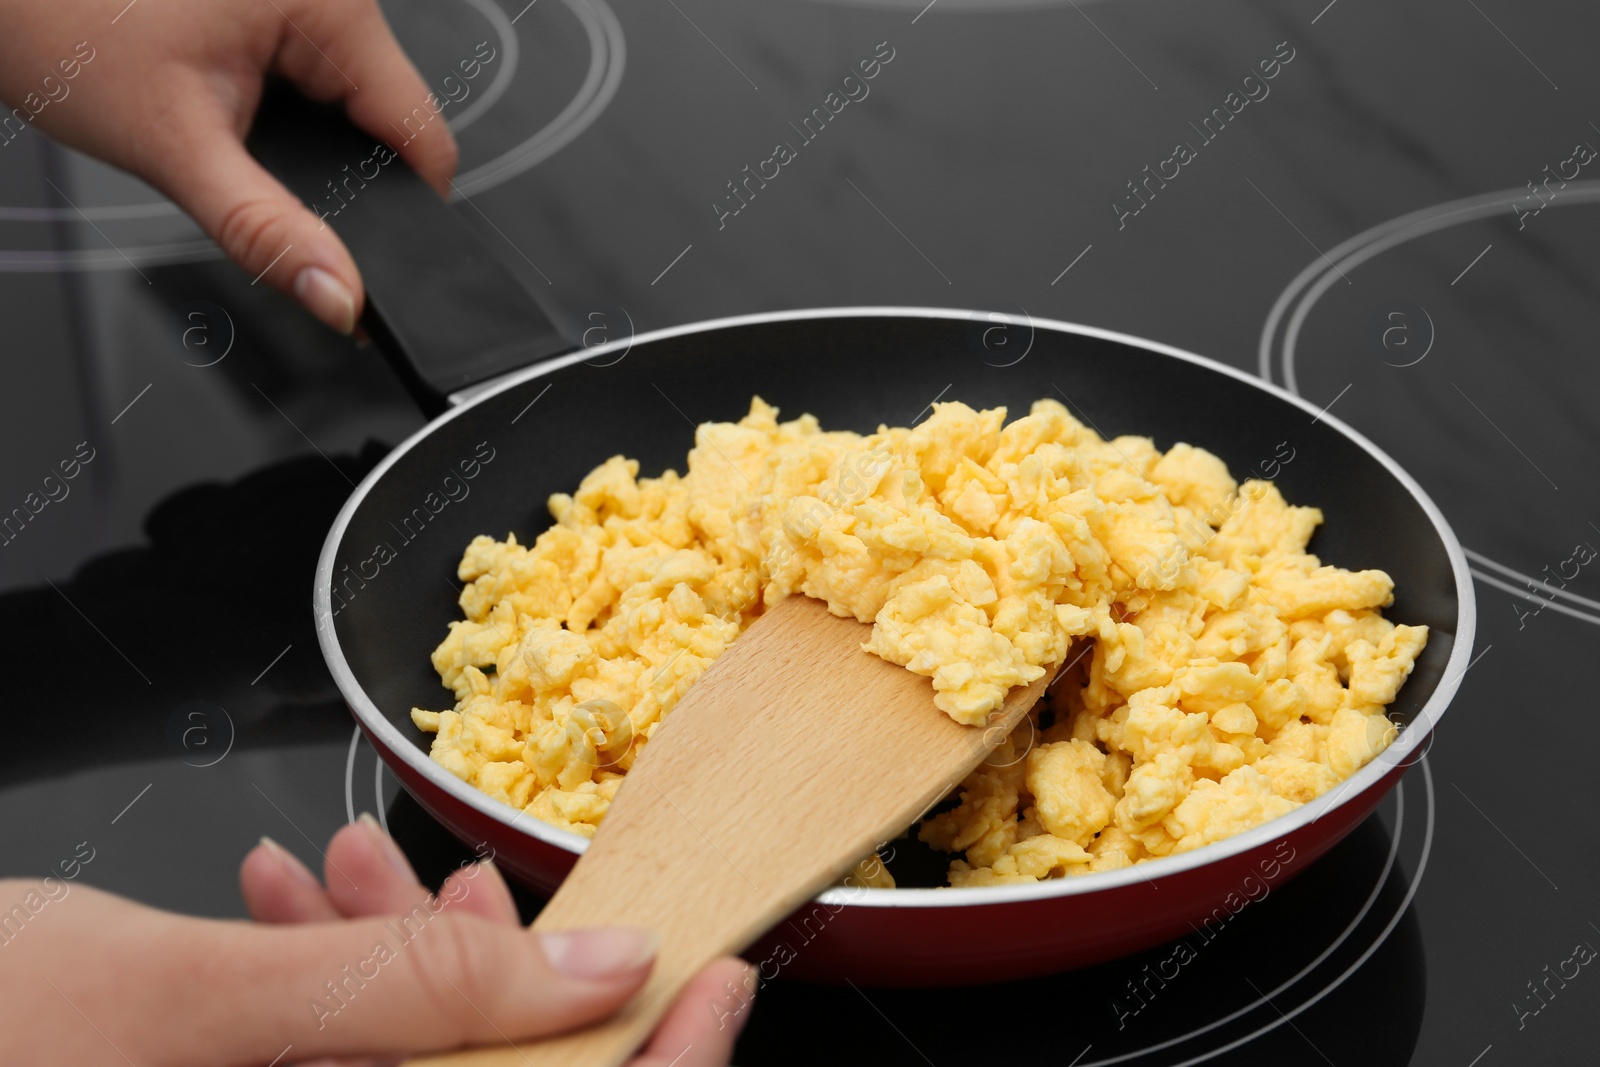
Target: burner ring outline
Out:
[608,57]
[1318,277]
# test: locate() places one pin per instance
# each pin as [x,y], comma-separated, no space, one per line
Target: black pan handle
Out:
[439,305]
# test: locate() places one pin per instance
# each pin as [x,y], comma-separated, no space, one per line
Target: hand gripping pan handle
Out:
[439,305]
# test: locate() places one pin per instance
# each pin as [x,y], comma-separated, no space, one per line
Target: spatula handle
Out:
[662,863]
[609,1043]
[793,756]
[685,890]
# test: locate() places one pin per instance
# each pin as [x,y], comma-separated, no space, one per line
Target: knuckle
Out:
[252,232]
[450,965]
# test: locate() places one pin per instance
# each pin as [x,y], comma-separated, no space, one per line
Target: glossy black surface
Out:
[982,170]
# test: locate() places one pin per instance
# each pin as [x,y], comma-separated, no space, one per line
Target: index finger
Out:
[344,50]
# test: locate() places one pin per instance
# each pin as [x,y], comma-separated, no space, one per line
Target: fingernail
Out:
[386,846]
[326,297]
[291,864]
[599,952]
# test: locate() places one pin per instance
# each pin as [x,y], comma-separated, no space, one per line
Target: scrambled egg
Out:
[1220,675]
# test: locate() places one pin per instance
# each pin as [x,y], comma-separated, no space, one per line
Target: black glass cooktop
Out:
[1391,210]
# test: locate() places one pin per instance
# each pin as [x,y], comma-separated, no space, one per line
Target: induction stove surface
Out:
[1398,225]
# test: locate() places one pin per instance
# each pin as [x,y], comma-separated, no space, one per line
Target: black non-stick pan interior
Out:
[852,373]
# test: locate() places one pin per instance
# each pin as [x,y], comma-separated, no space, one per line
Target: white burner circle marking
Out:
[508,64]
[607,59]
[350,777]
[1319,276]
[1382,879]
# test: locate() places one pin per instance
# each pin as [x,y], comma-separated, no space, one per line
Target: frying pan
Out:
[520,414]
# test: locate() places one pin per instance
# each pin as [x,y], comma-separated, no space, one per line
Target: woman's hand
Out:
[167,90]
[368,969]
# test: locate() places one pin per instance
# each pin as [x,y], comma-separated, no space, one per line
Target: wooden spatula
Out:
[792,757]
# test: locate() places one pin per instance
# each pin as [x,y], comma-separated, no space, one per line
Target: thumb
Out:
[259,223]
[425,981]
